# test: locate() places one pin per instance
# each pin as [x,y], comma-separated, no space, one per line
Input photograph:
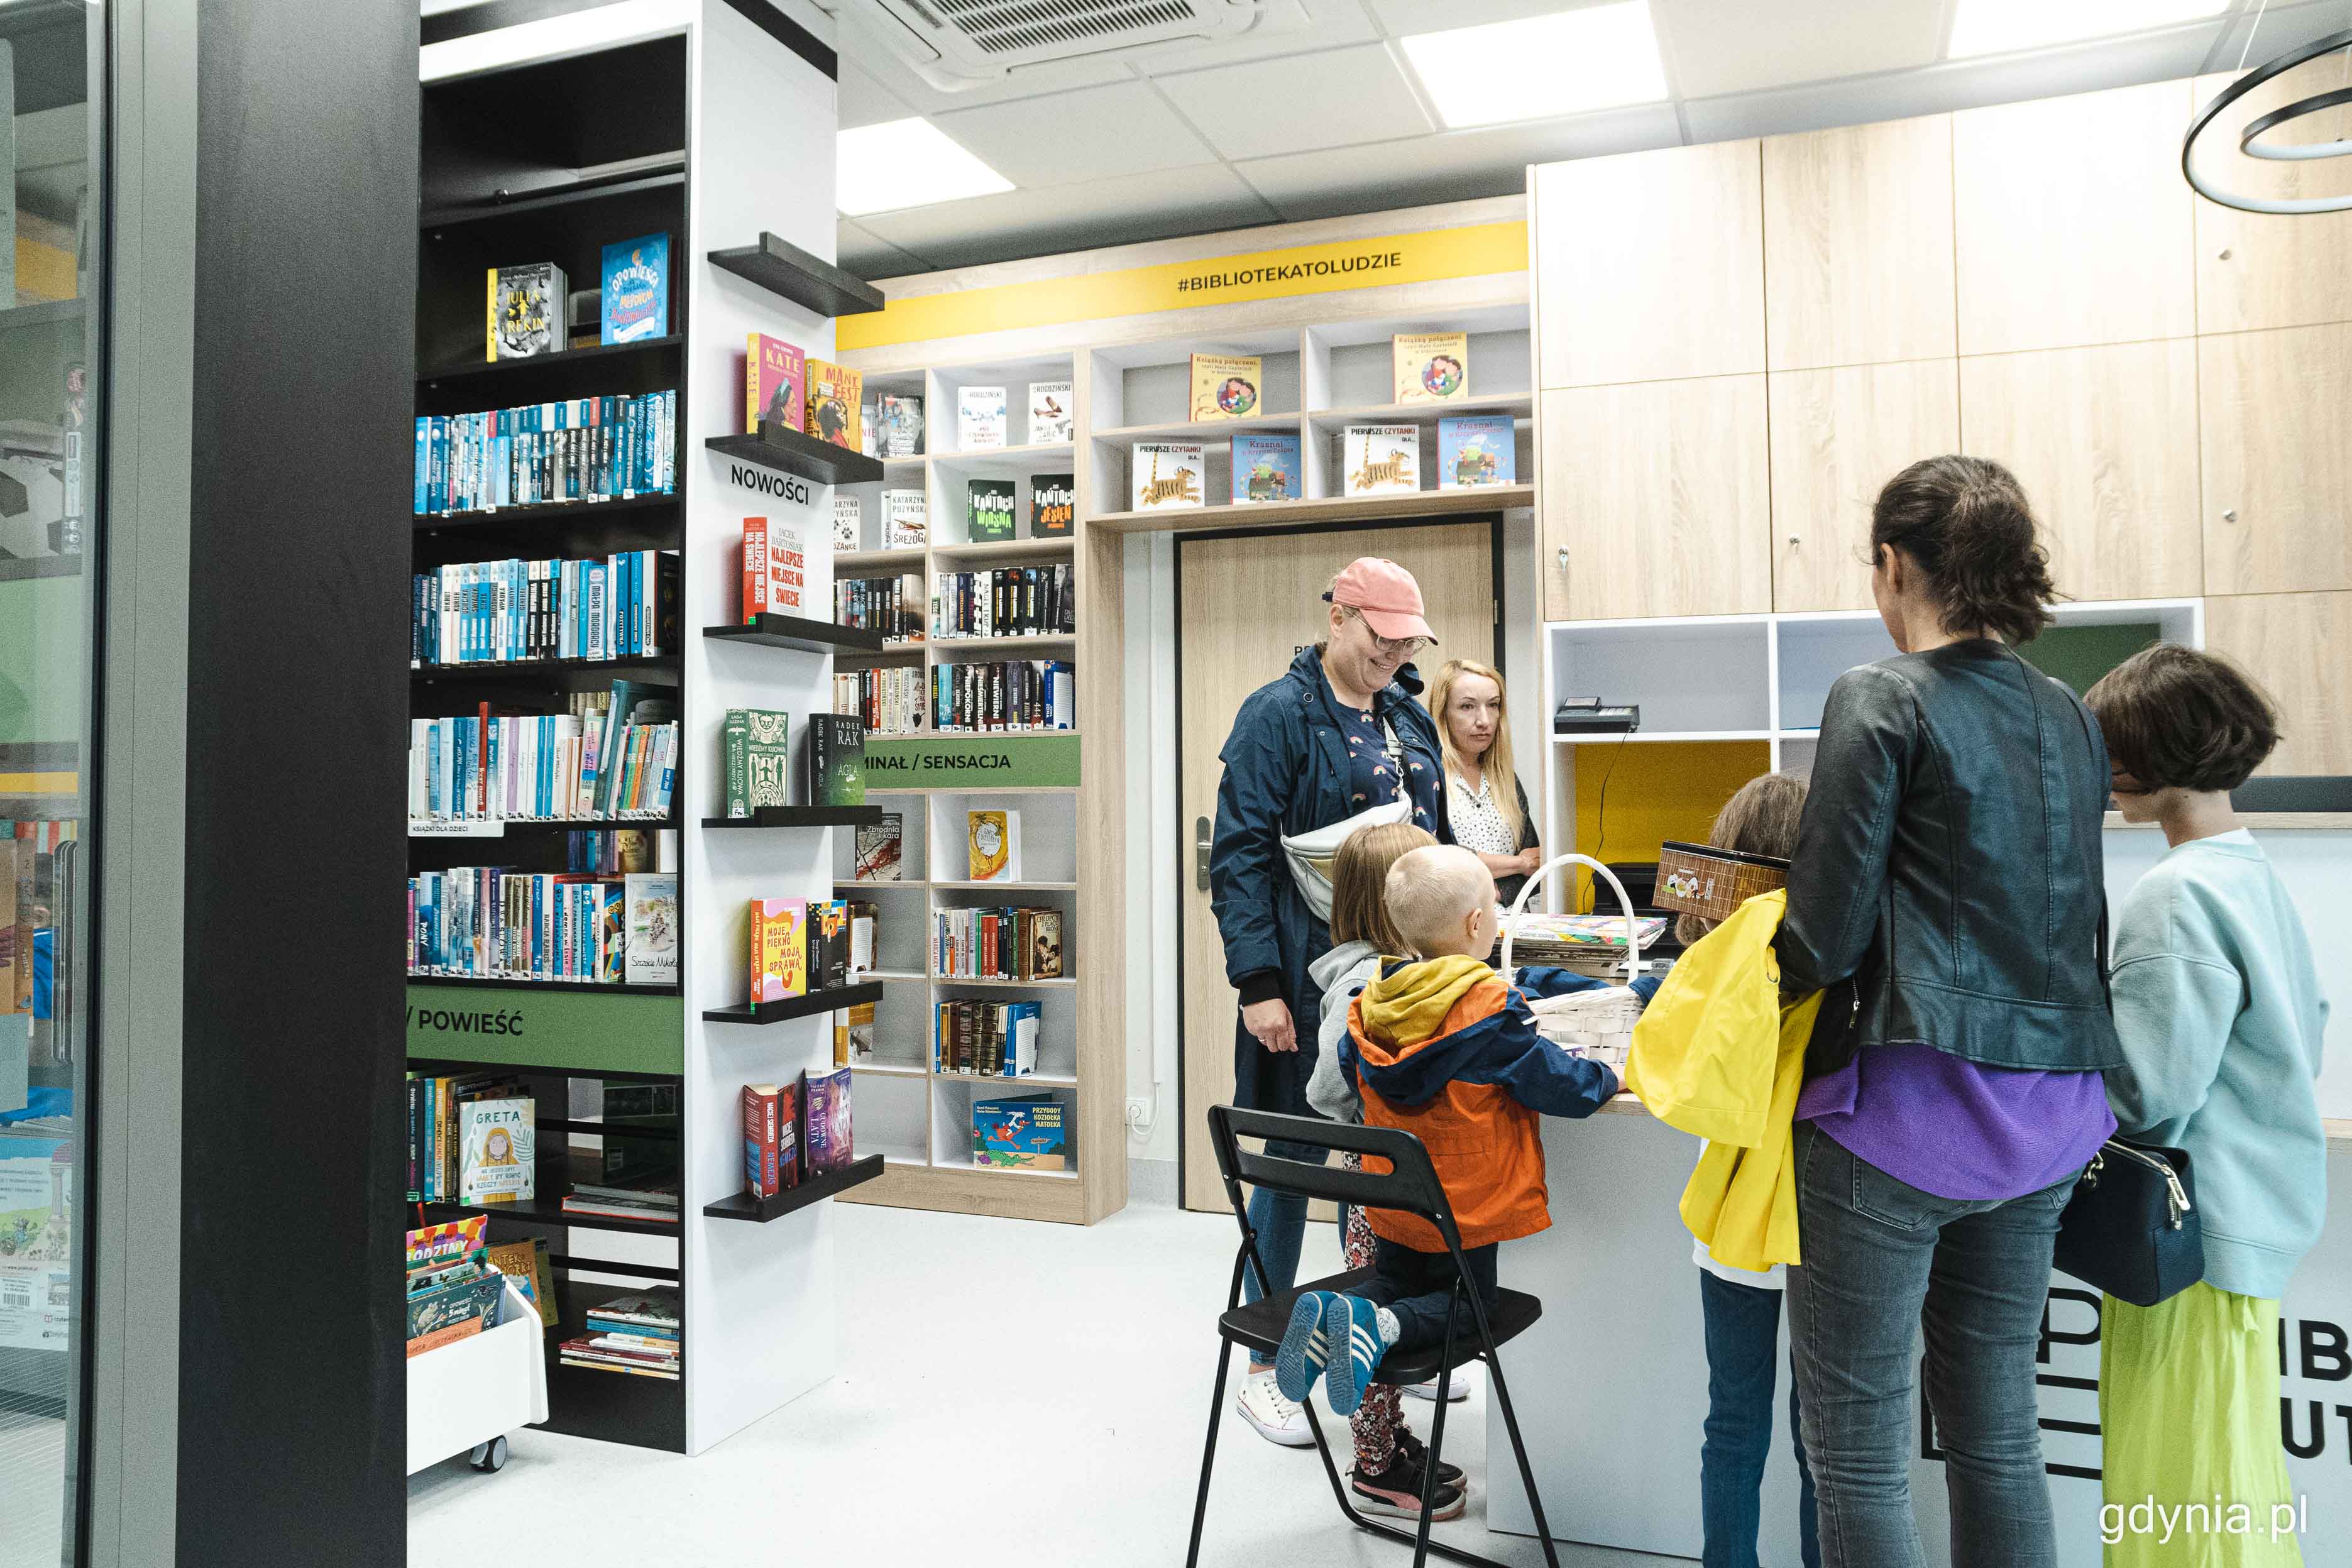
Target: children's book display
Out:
[980,419]
[1022,943]
[452,1292]
[1026,1131]
[887,701]
[527,1266]
[906,520]
[635,1336]
[1008,602]
[622,606]
[649,949]
[833,761]
[833,405]
[985,1039]
[992,846]
[1053,505]
[880,855]
[1381,459]
[990,517]
[544,454]
[635,295]
[1017,694]
[756,750]
[848,522]
[526,311]
[774,379]
[1169,475]
[1266,468]
[497,1148]
[1475,450]
[1431,367]
[613,754]
[1226,386]
[798,946]
[898,426]
[451,1156]
[1050,420]
[775,570]
[890,606]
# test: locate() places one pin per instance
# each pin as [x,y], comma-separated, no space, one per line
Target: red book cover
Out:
[772,380]
[755,568]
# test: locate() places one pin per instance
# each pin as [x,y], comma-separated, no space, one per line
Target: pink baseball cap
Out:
[1385,595]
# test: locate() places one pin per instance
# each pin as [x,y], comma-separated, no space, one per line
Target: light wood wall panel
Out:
[2293,643]
[1837,436]
[1658,493]
[1650,265]
[2262,269]
[2277,459]
[1858,244]
[2072,223]
[2105,442]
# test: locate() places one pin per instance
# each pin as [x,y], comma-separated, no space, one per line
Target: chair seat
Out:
[1261,1325]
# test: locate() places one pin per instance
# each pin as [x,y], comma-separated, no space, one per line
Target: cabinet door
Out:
[2105,442]
[1656,500]
[2262,269]
[2073,223]
[1838,436]
[2278,465]
[2293,643]
[1858,244]
[1650,265]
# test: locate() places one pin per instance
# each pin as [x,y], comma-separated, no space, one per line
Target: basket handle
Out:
[1624,900]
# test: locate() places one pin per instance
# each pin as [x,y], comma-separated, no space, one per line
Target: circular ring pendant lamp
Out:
[2250,142]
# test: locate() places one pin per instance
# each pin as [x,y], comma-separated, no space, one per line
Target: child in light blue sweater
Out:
[2218,1008]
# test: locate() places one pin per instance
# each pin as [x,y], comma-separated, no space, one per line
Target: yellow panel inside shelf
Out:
[1657,792]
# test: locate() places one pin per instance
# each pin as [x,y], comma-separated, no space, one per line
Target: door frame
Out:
[1493,521]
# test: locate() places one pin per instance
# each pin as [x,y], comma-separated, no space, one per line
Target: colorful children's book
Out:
[1169,475]
[905,520]
[1026,1131]
[1226,386]
[1380,459]
[498,1151]
[826,1144]
[880,849]
[1049,413]
[773,372]
[848,521]
[1474,450]
[526,311]
[991,516]
[526,1266]
[1266,468]
[779,948]
[637,290]
[650,954]
[1431,367]
[898,426]
[828,944]
[833,401]
[833,760]
[440,1246]
[980,418]
[1053,506]
[995,842]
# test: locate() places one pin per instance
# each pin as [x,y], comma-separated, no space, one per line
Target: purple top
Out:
[1958,1129]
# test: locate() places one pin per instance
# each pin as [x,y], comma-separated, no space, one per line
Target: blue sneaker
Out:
[1353,1323]
[1306,1345]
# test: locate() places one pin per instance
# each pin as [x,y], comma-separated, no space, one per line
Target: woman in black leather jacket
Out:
[1947,892]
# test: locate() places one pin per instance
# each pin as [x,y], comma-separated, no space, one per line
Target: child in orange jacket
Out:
[1444,1048]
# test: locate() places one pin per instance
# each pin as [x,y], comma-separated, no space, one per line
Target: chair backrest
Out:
[1410,1183]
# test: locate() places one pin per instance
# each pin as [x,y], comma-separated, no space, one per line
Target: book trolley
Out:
[712,124]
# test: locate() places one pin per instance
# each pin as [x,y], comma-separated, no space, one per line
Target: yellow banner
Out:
[38,783]
[1469,252]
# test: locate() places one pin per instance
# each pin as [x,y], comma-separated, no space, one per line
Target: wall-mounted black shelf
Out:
[772,630]
[760,1211]
[652,666]
[809,1006]
[551,512]
[801,817]
[541,202]
[493,369]
[546,1211]
[788,451]
[810,282]
[466,983]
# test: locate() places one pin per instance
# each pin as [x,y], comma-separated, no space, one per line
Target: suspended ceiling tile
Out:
[1289,28]
[1717,46]
[866,101]
[1204,197]
[1300,102]
[1091,134]
[1403,19]
[861,255]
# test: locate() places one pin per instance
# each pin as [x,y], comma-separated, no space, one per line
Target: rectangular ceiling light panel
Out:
[1540,68]
[906,163]
[2007,26]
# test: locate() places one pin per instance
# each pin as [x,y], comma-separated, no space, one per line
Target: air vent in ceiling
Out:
[960,44]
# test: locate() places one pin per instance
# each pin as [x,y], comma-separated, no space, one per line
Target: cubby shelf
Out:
[538,824]
[801,817]
[550,1212]
[760,1211]
[545,512]
[809,1006]
[1065,983]
[788,451]
[903,881]
[848,562]
[1035,452]
[810,282]
[1521,407]
[1013,886]
[644,347]
[1002,645]
[1328,509]
[640,665]
[1033,1079]
[772,631]
[1205,429]
[1020,550]
[668,175]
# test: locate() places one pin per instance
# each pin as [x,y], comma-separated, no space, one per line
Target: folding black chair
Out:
[1411,1186]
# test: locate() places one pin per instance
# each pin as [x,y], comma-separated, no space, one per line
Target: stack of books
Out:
[453,1293]
[651,1201]
[635,1334]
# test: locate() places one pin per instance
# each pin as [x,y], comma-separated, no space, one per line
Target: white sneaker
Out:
[1277,1420]
[1454,1394]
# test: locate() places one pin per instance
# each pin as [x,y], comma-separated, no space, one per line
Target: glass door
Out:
[51,53]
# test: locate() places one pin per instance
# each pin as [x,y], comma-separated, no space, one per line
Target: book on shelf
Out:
[430,1249]
[775,570]
[992,844]
[1431,367]
[498,1151]
[1025,1132]
[864,923]
[620,606]
[615,851]
[774,383]
[527,1268]
[989,514]
[985,1039]
[852,1035]
[1050,420]
[848,522]
[1053,506]
[455,1308]
[649,947]
[756,751]
[1225,386]
[827,1143]
[1266,468]
[869,439]
[898,426]
[765,1138]
[445,1143]
[635,298]
[1169,475]
[633,1335]
[887,701]
[1018,943]
[1018,695]
[501,923]
[1007,602]
[1380,459]
[526,311]
[881,848]
[779,936]
[980,418]
[1475,450]
[601,448]
[890,606]
[613,754]
[834,392]
[833,760]
[906,519]
[827,964]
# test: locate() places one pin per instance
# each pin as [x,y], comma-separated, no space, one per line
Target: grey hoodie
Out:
[1343,972]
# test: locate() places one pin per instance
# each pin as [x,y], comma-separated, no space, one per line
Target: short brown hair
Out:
[2177,718]
[1359,875]
[1968,523]
[1760,820]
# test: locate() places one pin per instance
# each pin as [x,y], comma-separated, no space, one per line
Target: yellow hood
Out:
[1406,1008]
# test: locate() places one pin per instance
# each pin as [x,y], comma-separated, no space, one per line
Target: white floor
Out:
[1008,1392]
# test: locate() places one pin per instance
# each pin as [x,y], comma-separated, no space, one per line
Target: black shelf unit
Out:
[772,630]
[809,1006]
[550,512]
[552,824]
[810,282]
[547,1213]
[549,198]
[643,666]
[760,1210]
[789,451]
[801,817]
[466,982]
[493,375]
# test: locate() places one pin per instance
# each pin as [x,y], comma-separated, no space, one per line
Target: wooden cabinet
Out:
[1837,436]
[2105,442]
[1650,266]
[1656,500]
[2278,462]
[2073,223]
[2296,645]
[2262,269]
[1858,244]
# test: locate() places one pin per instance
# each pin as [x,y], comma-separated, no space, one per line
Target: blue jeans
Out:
[1418,1287]
[1886,1262]
[1743,1351]
[1280,1220]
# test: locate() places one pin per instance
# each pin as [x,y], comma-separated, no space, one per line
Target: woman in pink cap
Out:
[1340,741]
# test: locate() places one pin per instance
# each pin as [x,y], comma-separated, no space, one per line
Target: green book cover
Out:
[768,752]
[737,741]
[835,763]
[991,509]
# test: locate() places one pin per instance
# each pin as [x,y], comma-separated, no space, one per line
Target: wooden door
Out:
[1858,244]
[1244,608]
[2294,645]
[2278,468]
[1837,437]
[1656,500]
[2271,270]
[2105,442]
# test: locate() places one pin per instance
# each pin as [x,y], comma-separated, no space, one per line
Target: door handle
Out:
[1201,840]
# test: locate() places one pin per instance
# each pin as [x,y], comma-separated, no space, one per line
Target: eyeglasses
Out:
[1387,647]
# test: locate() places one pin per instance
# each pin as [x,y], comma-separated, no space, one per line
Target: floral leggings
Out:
[1379,1419]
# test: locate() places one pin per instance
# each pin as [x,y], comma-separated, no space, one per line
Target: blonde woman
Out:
[1487,806]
